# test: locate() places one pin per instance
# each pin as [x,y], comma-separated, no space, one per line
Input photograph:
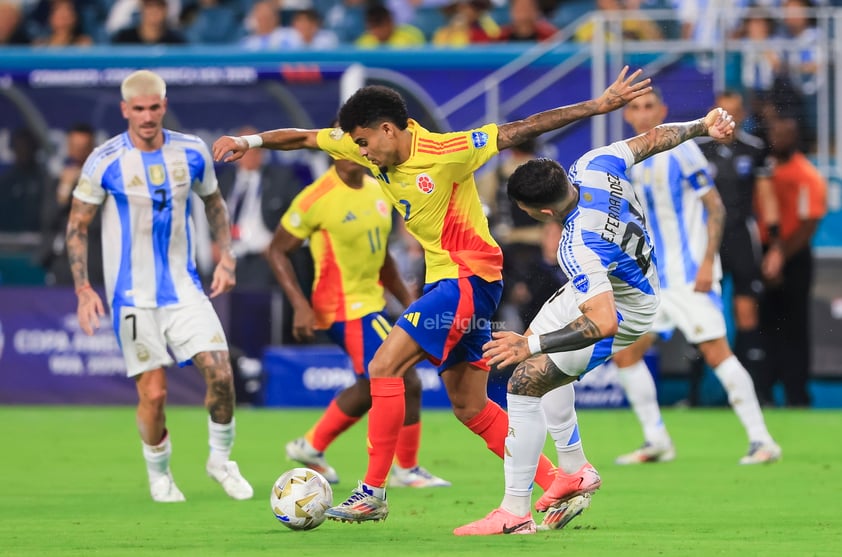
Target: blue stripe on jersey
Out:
[112,180]
[196,166]
[716,298]
[609,163]
[655,230]
[191,264]
[676,183]
[601,353]
[565,248]
[626,270]
[161,195]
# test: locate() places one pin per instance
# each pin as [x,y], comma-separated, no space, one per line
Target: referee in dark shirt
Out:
[741,171]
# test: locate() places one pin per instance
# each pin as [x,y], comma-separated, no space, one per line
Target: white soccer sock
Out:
[157,458]
[560,411]
[740,388]
[527,434]
[642,395]
[221,441]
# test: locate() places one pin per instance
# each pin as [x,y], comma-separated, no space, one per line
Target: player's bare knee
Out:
[153,397]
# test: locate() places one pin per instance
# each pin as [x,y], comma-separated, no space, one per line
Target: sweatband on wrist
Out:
[534,343]
[253,141]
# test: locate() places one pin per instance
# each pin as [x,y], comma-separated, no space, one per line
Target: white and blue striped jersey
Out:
[672,184]
[148,234]
[605,244]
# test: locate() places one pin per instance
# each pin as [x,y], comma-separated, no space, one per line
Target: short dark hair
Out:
[81,127]
[538,183]
[371,105]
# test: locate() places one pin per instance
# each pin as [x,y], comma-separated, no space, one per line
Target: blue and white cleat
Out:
[361,506]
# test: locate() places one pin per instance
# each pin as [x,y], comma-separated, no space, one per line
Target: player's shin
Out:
[526,436]
[385,420]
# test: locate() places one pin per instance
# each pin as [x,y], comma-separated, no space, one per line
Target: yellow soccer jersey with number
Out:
[435,192]
[348,230]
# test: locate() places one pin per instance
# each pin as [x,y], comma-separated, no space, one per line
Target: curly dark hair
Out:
[371,105]
[538,183]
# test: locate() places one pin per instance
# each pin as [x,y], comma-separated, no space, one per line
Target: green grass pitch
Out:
[74,483]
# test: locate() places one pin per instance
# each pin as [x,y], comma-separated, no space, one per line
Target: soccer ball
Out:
[300,498]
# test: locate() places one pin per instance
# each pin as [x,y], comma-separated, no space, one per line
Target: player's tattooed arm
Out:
[81,215]
[617,95]
[664,137]
[717,123]
[579,333]
[225,273]
[715,221]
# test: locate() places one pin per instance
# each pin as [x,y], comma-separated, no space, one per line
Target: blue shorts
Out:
[452,320]
[360,338]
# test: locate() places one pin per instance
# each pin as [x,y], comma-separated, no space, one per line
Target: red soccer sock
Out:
[385,419]
[492,424]
[330,426]
[406,451]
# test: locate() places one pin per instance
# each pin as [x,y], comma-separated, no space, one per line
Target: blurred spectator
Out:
[212,22]
[760,64]
[257,195]
[632,29]
[785,311]
[468,23]
[265,32]
[803,61]
[305,32]
[11,30]
[701,20]
[56,208]
[153,27]
[526,23]
[535,280]
[126,13]
[23,185]
[64,26]
[381,30]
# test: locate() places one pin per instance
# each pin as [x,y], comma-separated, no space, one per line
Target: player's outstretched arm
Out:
[225,273]
[717,123]
[286,139]
[89,308]
[598,321]
[617,95]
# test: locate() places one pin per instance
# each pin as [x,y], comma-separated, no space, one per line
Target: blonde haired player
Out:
[143,178]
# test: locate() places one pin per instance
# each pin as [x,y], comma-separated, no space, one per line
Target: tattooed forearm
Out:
[81,215]
[536,377]
[664,138]
[580,333]
[219,397]
[515,133]
[220,225]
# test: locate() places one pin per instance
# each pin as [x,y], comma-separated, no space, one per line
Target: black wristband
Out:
[774,232]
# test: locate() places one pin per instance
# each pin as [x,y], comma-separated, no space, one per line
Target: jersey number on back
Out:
[633,231]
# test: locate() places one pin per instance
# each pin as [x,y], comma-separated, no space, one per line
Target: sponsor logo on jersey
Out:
[349,217]
[413,317]
[136,182]
[217,339]
[581,283]
[425,183]
[479,138]
[157,175]
[336,134]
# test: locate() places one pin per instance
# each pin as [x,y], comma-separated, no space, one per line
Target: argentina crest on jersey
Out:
[480,139]
[581,283]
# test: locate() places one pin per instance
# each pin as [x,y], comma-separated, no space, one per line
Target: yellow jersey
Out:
[435,193]
[348,230]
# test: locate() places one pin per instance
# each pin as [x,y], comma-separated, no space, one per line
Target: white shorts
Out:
[561,309]
[144,334]
[697,315]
